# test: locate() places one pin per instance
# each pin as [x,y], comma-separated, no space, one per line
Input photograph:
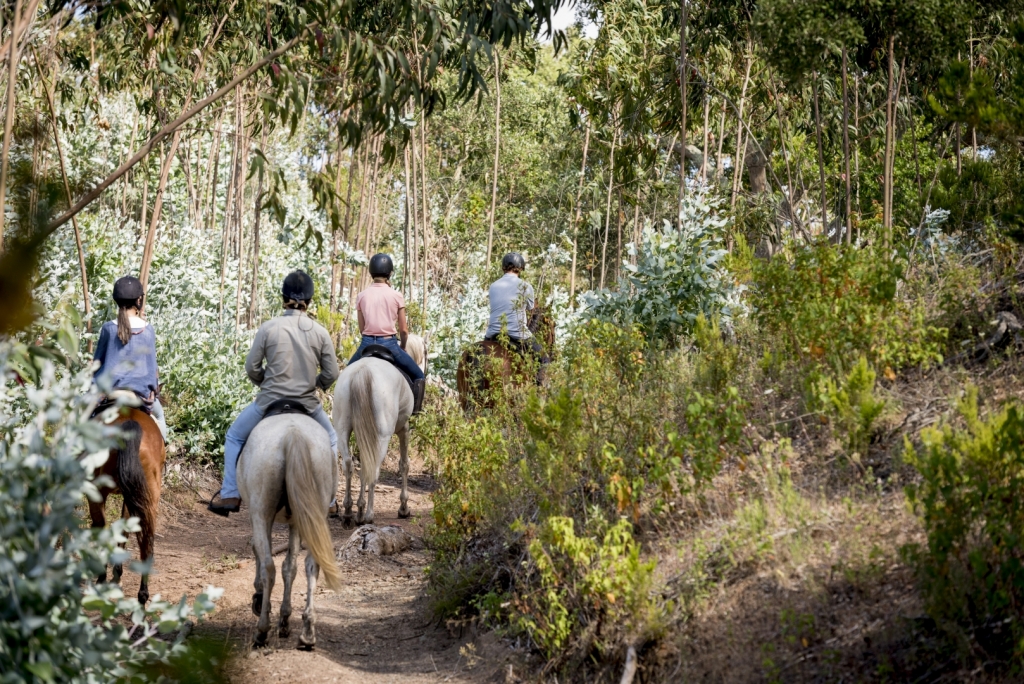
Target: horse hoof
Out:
[284,631]
[118,572]
[102,579]
[143,597]
[404,513]
[348,523]
[306,644]
[261,640]
[257,607]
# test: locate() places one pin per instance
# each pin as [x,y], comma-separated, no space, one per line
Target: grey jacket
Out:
[294,347]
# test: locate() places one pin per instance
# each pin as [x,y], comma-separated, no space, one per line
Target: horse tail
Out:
[417,349]
[309,516]
[131,478]
[364,418]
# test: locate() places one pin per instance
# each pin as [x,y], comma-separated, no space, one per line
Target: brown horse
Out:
[136,466]
[488,367]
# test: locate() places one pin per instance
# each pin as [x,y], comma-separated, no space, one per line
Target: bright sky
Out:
[566,15]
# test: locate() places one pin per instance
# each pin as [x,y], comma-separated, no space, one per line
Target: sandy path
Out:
[379,628]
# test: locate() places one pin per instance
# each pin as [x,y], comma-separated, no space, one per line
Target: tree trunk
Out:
[846,152]
[889,144]
[856,148]
[47,88]
[425,201]
[229,198]
[737,177]
[608,205]
[721,139]
[240,183]
[254,299]
[704,162]
[783,134]
[406,285]
[821,156]
[210,184]
[913,132]
[415,199]
[497,150]
[576,218]
[158,203]
[683,73]
[11,105]
[131,145]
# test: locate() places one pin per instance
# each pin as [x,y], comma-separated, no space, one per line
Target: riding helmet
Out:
[127,290]
[381,266]
[298,286]
[513,260]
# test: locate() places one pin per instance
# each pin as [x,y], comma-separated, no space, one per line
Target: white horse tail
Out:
[308,514]
[417,349]
[364,419]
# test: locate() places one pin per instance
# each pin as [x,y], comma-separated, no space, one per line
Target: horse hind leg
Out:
[265,575]
[118,569]
[371,473]
[288,572]
[403,467]
[307,640]
[348,467]
[99,521]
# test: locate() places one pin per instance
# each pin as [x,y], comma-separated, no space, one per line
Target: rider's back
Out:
[130,366]
[299,357]
[510,298]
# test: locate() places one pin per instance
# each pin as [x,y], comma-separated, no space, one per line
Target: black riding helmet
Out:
[298,286]
[381,266]
[513,260]
[127,291]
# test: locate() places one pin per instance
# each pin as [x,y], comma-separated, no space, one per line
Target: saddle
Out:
[108,400]
[379,351]
[286,405]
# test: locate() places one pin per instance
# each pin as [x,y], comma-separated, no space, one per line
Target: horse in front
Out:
[287,473]
[373,398]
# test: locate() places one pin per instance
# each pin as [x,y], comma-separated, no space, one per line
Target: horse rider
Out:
[127,352]
[291,356]
[511,298]
[379,307]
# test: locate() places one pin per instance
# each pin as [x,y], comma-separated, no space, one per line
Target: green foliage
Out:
[831,305]
[55,625]
[854,405]
[678,275]
[969,502]
[580,583]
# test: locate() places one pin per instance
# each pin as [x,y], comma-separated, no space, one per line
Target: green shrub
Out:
[969,502]
[55,624]
[679,273]
[854,405]
[831,305]
[593,585]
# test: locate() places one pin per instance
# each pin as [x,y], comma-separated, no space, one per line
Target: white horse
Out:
[287,473]
[373,399]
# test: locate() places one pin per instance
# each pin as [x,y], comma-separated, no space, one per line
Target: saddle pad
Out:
[379,351]
[285,406]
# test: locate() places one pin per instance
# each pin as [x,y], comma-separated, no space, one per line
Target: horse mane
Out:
[417,349]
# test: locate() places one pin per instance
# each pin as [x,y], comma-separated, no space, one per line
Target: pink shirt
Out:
[380,304]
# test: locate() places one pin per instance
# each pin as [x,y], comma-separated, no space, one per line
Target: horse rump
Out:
[308,513]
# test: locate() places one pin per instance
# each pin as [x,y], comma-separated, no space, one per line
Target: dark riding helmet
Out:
[513,260]
[127,290]
[298,286]
[381,266]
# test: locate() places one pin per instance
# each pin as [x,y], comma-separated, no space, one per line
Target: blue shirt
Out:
[129,366]
[510,297]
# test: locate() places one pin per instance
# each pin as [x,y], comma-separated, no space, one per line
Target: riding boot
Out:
[418,387]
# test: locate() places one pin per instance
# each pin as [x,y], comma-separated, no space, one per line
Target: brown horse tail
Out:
[131,478]
[309,512]
[364,419]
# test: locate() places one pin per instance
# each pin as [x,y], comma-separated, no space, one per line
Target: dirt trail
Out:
[377,629]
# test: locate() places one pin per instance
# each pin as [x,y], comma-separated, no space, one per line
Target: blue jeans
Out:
[402,359]
[239,432]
